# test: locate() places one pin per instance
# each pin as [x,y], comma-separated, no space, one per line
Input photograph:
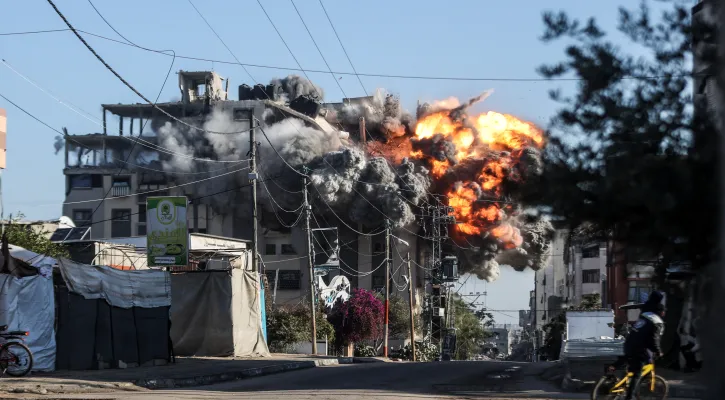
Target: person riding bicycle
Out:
[643,343]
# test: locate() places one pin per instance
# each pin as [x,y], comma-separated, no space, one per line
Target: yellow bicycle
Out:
[651,386]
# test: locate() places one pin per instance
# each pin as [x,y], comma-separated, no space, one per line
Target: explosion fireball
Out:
[479,162]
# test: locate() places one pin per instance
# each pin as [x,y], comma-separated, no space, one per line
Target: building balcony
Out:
[119,191]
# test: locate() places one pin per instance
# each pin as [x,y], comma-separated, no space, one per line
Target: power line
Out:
[285,43]
[133,89]
[317,47]
[116,159]
[124,37]
[341,220]
[252,77]
[262,129]
[349,60]
[343,47]
[102,199]
[156,191]
[264,133]
[346,73]
[192,200]
[138,139]
[221,40]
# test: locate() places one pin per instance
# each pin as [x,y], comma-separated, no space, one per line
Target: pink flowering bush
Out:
[360,318]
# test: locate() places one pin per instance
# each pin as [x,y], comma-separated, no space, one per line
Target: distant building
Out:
[504,337]
[580,270]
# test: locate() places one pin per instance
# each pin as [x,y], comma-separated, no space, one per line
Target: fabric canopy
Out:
[125,289]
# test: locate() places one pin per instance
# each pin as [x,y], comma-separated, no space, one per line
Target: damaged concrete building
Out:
[130,161]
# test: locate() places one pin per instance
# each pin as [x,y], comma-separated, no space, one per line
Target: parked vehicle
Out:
[16,359]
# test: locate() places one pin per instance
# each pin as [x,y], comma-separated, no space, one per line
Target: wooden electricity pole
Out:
[310,265]
[410,298]
[253,179]
[387,286]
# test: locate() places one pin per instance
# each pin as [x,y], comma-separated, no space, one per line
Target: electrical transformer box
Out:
[450,269]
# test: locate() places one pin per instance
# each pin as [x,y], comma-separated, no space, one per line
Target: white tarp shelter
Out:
[146,288]
[589,324]
[28,304]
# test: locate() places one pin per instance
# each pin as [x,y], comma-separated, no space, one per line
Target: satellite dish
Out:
[66,222]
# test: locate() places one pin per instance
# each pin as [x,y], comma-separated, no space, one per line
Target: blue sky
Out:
[460,38]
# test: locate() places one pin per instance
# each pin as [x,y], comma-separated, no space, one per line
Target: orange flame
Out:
[492,138]
[438,168]
[509,235]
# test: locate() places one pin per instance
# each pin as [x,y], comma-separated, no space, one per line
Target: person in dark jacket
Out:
[643,343]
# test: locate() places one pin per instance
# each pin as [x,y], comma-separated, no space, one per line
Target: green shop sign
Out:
[167,232]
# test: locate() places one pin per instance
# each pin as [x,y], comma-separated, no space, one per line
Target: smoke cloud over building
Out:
[475,163]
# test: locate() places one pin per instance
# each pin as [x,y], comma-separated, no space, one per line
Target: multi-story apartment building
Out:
[95,165]
[581,269]
[550,289]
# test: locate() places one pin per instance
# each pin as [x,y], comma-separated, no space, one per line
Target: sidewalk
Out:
[186,372]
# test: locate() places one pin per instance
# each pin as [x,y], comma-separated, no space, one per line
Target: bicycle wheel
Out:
[660,392]
[16,359]
[602,388]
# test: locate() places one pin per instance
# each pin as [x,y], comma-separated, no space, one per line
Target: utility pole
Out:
[310,264]
[387,285]
[253,179]
[410,299]
[363,133]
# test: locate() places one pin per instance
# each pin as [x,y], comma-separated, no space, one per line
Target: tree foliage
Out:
[399,318]
[625,152]
[360,318]
[470,333]
[287,326]
[33,238]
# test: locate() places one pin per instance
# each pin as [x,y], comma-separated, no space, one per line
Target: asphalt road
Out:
[408,381]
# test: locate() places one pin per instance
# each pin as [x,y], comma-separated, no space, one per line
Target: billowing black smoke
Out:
[343,180]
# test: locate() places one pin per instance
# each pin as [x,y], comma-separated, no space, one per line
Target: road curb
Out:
[228,376]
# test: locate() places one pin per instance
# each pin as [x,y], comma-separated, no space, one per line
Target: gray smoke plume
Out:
[343,181]
[367,190]
[294,86]
[59,144]
[384,117]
